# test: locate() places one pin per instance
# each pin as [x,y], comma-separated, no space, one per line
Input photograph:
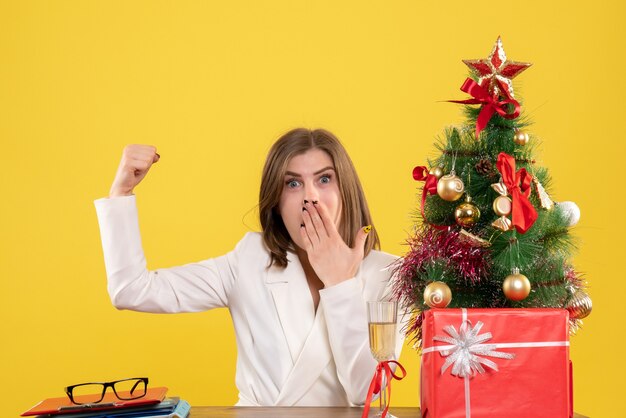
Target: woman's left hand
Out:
[330,257]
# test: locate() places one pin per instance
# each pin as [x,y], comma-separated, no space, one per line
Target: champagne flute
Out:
[382,320]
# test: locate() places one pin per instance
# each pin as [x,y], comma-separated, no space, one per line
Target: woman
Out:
[296,291]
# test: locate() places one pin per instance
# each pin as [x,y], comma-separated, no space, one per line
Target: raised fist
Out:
[135,164]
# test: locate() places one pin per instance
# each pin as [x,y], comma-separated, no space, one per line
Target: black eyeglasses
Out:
[125,389]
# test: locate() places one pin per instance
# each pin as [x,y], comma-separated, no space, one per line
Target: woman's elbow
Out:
[127,286]
[118,300]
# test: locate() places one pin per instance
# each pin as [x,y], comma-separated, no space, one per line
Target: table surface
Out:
[296,412]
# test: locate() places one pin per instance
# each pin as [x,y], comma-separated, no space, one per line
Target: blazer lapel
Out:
[293,303]
[313,360]
[304,330]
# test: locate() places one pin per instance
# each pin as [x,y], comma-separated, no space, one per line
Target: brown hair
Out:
[354,214]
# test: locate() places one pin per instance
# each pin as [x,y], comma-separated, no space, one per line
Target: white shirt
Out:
[288,354]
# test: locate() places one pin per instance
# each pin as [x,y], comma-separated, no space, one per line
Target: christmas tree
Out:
[487,234]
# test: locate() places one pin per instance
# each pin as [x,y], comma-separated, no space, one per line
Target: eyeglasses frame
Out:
[69,389]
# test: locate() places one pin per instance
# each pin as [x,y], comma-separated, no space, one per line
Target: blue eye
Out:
[325,179]
[293,183]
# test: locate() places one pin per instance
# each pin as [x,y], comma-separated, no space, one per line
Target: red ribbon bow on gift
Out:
[490,104]
[517,183]
[420,173]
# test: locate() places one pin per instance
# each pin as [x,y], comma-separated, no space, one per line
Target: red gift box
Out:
[496,363]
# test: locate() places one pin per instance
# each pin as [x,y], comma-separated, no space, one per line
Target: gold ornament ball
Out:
[437,295]
[520,137]
[467,214]
[516,286]
[450,187]
[436,171]
[579,306]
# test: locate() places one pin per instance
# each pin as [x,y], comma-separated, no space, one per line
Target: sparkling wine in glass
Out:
[382,319]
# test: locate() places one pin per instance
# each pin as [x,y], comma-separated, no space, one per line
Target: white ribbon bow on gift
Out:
[467,349]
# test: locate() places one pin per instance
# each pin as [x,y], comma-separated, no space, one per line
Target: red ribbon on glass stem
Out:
[420,173]
[517,183]
[376,385]
[490,104]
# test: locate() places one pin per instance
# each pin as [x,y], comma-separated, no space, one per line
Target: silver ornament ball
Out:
[571,212]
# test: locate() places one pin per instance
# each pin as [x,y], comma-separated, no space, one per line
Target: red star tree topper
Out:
[496,72]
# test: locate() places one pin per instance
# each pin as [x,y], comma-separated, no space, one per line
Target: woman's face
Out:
[310,176]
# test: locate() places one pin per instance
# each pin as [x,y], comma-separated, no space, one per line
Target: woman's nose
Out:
[311,194]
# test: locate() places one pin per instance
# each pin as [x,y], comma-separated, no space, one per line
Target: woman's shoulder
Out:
[251,241]
[379,260]
[249,254]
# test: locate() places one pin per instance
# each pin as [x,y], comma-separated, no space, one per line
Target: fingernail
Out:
[367,229]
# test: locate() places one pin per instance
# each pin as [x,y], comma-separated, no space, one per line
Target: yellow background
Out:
[212,85]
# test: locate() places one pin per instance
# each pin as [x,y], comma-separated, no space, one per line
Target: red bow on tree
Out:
[517,183]
[420,173]
[490,105]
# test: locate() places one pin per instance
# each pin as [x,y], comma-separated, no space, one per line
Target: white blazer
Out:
[288,354]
